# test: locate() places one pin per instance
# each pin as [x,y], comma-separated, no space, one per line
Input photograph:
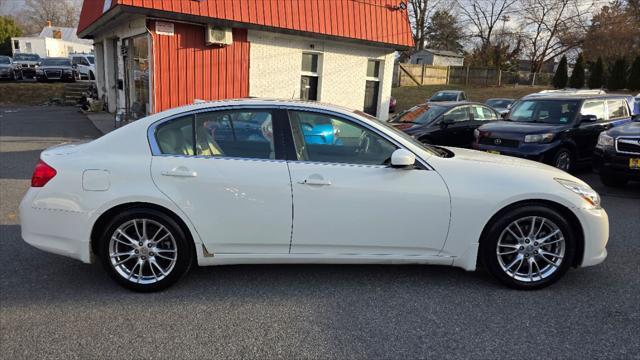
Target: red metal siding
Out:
[370,20]
[186,69]
[91,11]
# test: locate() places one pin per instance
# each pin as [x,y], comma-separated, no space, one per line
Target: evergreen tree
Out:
[618,75]
[560,78]
[634,75]
[596,75]
[577,76]
[8,29]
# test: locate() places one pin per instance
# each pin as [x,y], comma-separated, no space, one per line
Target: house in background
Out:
[437,58]
[53,41]
[156,55]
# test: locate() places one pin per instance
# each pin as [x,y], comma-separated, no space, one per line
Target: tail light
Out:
[42,174]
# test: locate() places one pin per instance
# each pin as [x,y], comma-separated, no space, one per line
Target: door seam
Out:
[292,208]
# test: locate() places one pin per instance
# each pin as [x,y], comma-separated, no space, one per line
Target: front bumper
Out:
[529,151]
[55,231]
[595,225]
[61,77]
[610,162]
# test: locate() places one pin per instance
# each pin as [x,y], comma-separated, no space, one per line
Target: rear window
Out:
[617,109]
[26,57]
[545,111]
[420,114]
[4,60]
[56,62]
[445,96]
[500,103]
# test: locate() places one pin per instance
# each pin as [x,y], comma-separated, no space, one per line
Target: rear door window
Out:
[458,114]
[483,113]
[594,108]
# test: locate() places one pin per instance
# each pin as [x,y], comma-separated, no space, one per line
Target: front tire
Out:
[563,159]
[529,247]
[145,250]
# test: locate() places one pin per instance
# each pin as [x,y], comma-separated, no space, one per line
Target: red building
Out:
[153,55]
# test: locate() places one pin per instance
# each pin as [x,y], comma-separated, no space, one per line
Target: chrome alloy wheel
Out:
[143,251]
[530,249]
[563,161]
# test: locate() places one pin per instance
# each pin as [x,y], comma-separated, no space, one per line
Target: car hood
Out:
[630,129]
[28,62]
[6,66]
[55,67]
[513,127]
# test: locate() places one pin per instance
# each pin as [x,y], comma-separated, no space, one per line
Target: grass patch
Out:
[408,96]
[29,93]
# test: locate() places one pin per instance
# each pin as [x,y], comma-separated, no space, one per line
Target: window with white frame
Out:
[372,87]
[309,77]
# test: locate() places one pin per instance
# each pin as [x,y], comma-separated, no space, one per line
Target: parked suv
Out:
[561,130]
[85,65]
[617,155]
[26,64]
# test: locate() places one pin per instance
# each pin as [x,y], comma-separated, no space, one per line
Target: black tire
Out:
[184,255]
[613,180]
[492,261]
[563,159]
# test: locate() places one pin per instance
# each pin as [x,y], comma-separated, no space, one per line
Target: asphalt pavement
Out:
[54,307]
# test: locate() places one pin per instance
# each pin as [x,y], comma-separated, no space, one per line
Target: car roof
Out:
[56,58]
[449,91]
[508,99]
[455,103]
[573,96]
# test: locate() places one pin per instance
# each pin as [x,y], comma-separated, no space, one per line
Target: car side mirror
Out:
[402,158]
[588,119]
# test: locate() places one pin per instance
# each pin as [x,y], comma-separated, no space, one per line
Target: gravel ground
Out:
[54,307]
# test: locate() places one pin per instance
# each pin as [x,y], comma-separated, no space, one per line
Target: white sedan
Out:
[260,181]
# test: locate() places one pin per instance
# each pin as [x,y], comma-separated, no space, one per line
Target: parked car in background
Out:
[501,105]
[444,123]
[7,70]
[85,65]
[617,155]
[448,95]
[392,104]
[26,64]
[561,130]
[56,69]
[636,105]
[150,199]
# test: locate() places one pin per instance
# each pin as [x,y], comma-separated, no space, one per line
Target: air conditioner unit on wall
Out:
[218,35]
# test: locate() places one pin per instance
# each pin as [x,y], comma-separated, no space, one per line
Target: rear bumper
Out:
[595,224]
[60,232]
[612,163]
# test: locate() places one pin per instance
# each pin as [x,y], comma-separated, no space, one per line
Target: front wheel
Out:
[563,159]
[145,250]
[529,247]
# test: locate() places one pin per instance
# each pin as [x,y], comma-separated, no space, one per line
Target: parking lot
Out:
[53,307]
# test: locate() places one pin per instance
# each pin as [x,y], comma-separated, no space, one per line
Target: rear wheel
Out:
[530,247]
[145,250]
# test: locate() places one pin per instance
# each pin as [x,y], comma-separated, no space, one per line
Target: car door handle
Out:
[180,173]
[314,181]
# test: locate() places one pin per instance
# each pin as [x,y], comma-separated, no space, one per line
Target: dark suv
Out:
[617,155]
[561,130]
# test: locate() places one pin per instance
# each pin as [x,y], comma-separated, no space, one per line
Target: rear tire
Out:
[145,250]
[528,247]
[613,180]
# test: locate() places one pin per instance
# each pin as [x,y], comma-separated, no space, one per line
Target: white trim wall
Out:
[275,69]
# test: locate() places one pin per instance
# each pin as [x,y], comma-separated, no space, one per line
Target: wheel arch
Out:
[565,211]
[103,220]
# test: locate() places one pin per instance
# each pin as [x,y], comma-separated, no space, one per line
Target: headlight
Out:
[539,138]
[39,71]
[585,192]
[604,141]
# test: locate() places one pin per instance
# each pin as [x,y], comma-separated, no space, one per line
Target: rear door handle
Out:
[314,181]
[180,173]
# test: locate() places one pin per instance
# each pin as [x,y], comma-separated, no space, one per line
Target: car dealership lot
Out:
[52,306]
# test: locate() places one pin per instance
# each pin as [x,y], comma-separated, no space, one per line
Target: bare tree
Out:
[37,13]
[553,27]
[484,17]
[419,14]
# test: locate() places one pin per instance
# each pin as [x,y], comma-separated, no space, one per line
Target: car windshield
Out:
[444,96]
[419,114]
[4,60]
[91,59]
[26,57]
[428,148]
[56,62]
[499,103]
[545,111]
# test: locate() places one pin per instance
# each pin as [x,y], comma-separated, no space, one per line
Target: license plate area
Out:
[634,163]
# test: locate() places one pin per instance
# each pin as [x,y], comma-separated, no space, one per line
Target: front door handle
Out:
[180,173]
[315,181]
